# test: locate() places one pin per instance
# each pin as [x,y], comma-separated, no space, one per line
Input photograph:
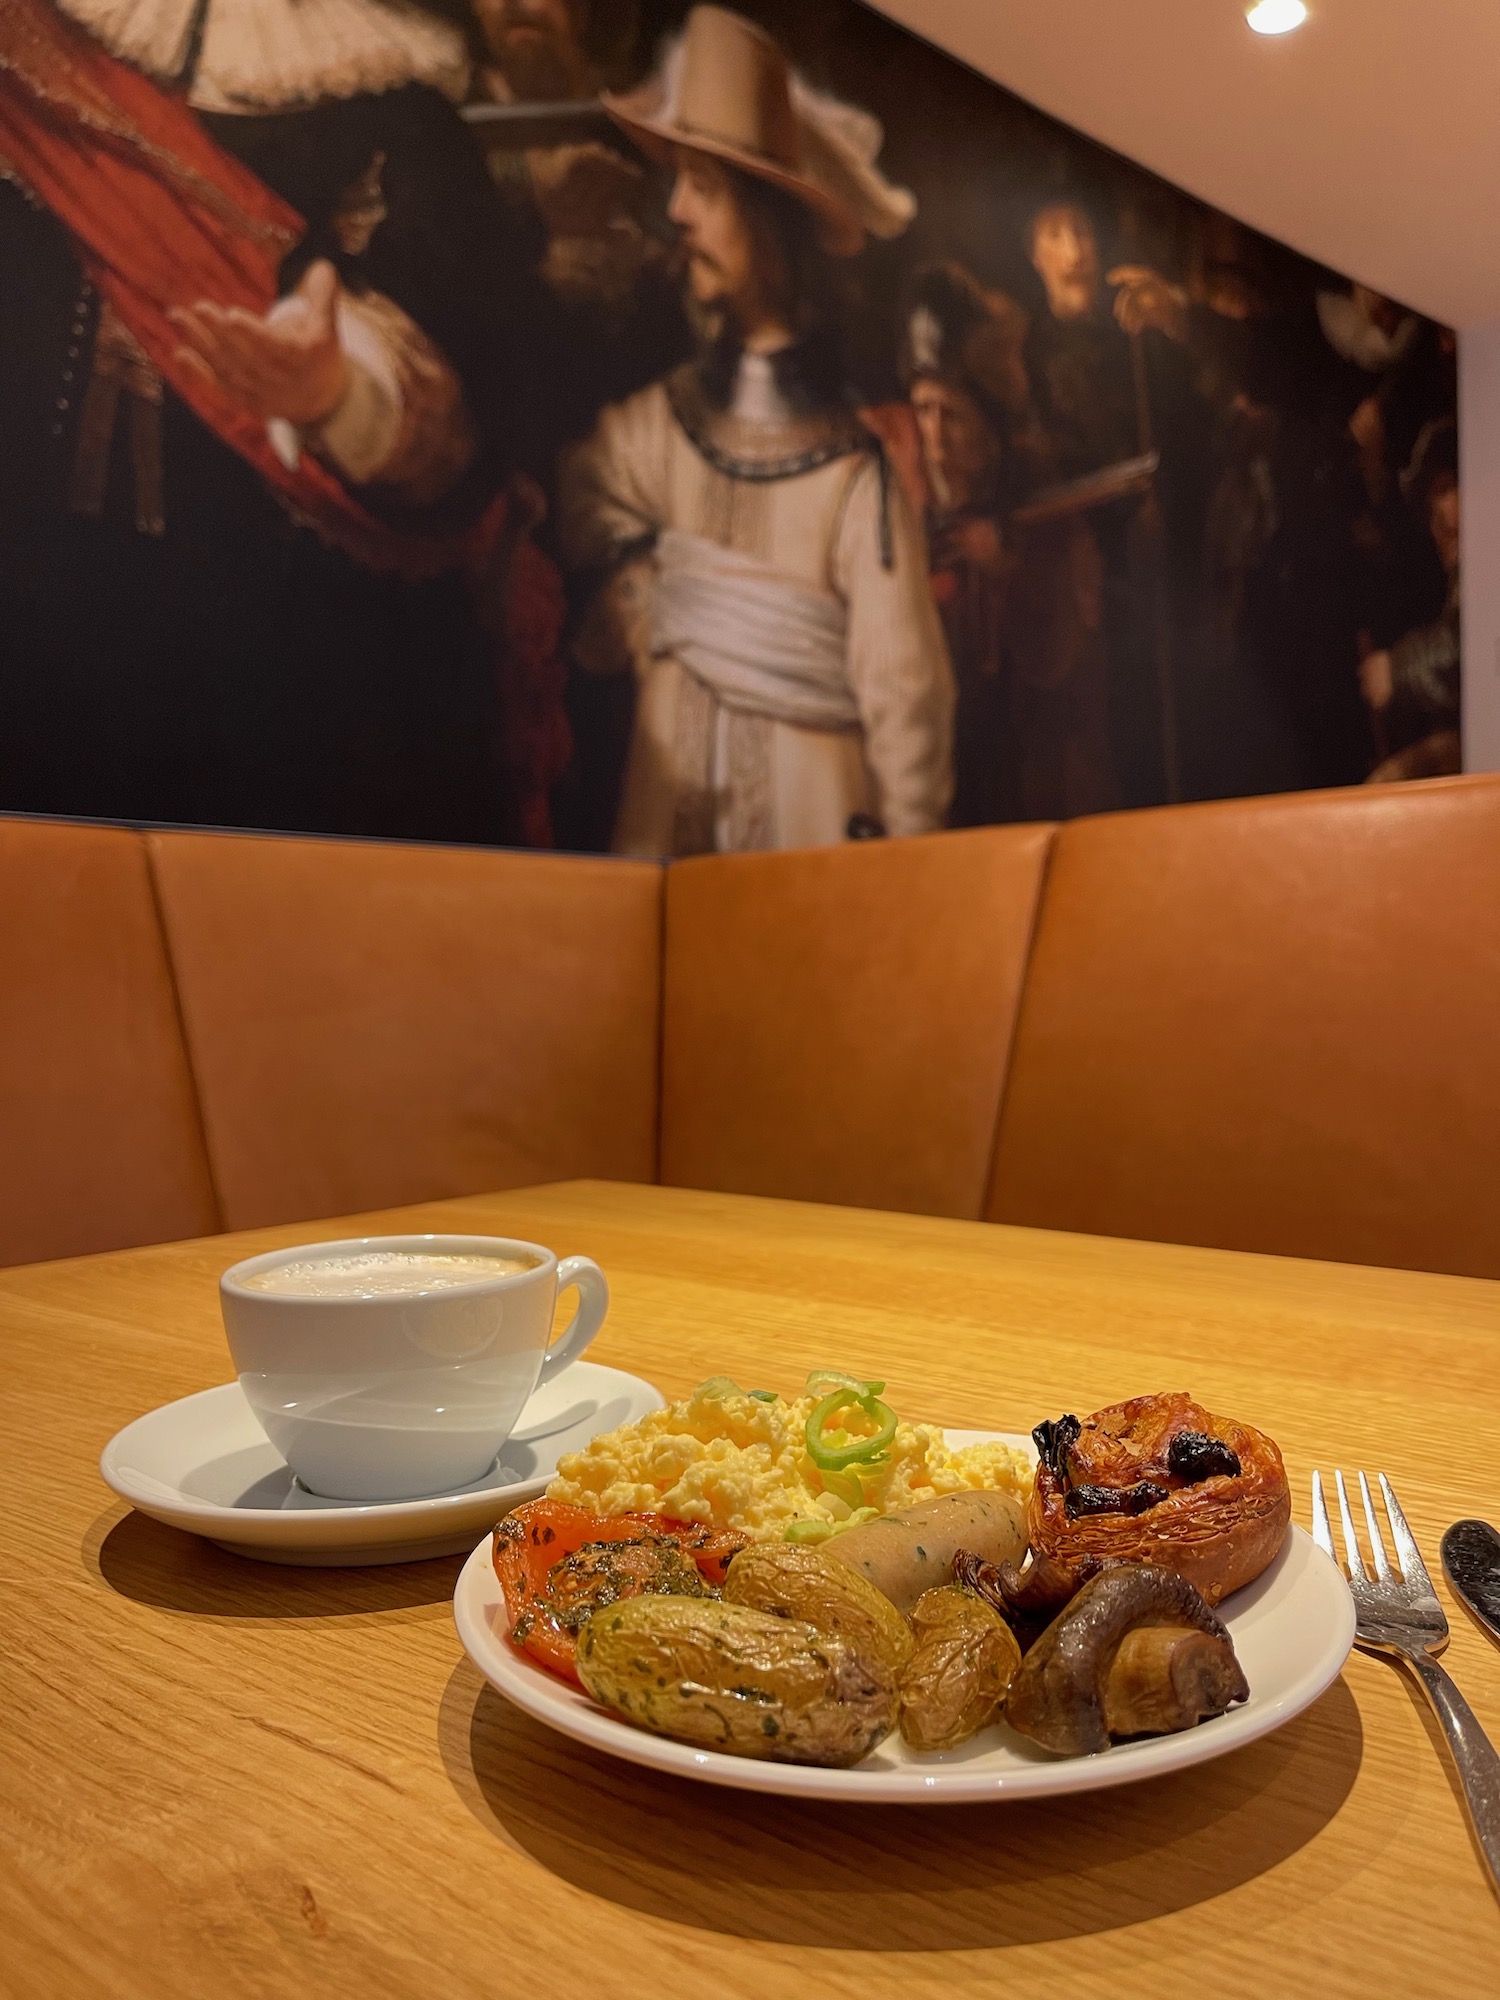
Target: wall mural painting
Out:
[604,424]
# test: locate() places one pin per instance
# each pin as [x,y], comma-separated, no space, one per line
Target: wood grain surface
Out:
[222,1778]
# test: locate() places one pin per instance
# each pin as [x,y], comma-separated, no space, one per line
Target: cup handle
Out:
[593,1304]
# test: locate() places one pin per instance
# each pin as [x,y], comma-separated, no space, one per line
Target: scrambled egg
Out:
[730,1460]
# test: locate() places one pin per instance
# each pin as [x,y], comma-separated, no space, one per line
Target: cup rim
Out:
[442,1242]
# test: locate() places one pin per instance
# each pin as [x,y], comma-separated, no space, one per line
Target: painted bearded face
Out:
[1065,256]
[959,447]
[536,46]
[1444,520]
[717,237]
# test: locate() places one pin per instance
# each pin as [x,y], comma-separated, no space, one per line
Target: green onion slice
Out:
[719,1385]
[807,1531]
[822,1380]
[824,1531]
[844,1486]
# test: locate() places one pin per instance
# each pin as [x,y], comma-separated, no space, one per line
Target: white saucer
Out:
[205,1465]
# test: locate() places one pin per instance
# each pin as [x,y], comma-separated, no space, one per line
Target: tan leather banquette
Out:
[1267,1024]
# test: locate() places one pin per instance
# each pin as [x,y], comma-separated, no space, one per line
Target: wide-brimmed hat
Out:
[954,330]
[725,88]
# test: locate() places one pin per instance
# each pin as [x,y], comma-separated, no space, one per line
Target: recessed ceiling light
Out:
[1276,17]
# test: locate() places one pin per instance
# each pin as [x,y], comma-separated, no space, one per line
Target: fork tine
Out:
[1412,1566]
[1377,1543]
[1351,1540]
[1322,1533]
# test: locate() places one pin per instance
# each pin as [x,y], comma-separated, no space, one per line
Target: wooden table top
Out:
[219,1777]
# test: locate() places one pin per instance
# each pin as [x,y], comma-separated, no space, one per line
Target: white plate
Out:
[1292,1629]
[206,1465]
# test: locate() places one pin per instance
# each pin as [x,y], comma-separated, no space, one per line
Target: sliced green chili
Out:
[836,1457]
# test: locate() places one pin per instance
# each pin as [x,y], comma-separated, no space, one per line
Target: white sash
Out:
[759,641]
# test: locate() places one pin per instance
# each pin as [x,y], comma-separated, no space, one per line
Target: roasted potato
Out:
[724,1677]
[955,1681]
[807,1584]
[904,1554]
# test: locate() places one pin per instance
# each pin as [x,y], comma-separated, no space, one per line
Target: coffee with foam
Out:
[381,1274]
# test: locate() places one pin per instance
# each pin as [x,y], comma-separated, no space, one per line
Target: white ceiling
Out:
[1368,139]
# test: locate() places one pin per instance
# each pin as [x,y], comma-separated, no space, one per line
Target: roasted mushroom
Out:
[1166,1678]
[1156,1480]
[1027,1599]
[1136,1653]
[1033,1595]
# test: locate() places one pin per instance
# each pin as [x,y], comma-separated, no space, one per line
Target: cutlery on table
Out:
[1397,1613]
[1471,1563]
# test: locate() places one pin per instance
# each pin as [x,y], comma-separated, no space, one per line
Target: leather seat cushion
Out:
[838,1021]
[100,1144]
[1272,1024]
[374,1024]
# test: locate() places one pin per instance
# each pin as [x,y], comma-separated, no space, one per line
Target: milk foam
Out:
[374,1274]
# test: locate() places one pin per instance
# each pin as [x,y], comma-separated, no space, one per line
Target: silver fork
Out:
[1397,1613]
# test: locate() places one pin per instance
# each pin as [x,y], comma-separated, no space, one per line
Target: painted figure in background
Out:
[1324,399]
[304,304]
[1080,368]
[1020,603]
[593,209]
[1412,686]
[590,198]
[1104,395]
[758,568]
[590,213]
[255,566]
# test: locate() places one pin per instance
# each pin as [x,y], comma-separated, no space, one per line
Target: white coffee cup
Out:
[395,1394]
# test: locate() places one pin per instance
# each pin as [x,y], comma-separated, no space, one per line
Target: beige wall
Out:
[1479,469]
[1368,139]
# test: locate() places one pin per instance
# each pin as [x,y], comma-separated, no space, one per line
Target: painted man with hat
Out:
[1412,687]
[758,567]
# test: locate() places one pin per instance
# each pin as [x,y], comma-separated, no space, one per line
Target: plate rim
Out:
[537,1694]
[352,1525]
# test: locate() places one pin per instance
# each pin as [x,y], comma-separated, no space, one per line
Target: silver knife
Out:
[1471,1563]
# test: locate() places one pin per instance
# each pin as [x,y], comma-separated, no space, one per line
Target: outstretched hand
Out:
[1377,680]
[1143,298]
[976,542]
[290,365]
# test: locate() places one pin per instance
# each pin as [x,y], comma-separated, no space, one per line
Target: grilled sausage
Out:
[907,1553]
